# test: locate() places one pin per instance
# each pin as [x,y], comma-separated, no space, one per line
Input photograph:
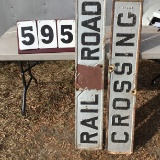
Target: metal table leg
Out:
[155,79]
[158,76]
[26,84]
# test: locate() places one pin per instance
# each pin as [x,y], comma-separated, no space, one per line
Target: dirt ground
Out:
[47,132]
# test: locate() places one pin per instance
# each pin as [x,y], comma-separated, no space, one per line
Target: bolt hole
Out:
[134,92]
[111,68]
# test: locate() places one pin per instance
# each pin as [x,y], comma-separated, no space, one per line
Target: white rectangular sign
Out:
[27,34]
[47,33]
[47,36]
[90,48]
[66,33]
[123,75]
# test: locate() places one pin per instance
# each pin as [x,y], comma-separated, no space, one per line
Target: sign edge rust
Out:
[97,69]
[111,68]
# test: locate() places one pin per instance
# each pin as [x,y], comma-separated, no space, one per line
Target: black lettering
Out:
[91,5]
[49,34]
[130,15]
[29,35]
[114,140]
[86,54]
[91,102]
[124,54]
[117,120]
[92,23]
[65,32]
[85,137]
[89,110]
[122,86]
[122,107]
[127,36]
[124,65]
[91,36]
[87,122]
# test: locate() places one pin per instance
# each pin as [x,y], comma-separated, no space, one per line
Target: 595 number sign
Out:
[43,34]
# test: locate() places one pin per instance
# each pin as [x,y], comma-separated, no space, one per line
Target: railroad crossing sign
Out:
[90,49]
[123,67]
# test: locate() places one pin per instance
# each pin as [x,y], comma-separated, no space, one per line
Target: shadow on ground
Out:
[147,121]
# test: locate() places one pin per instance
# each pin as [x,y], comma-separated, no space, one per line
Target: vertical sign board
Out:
[123,74]
[90,73]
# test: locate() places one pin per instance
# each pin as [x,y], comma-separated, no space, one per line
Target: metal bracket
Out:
[26,84]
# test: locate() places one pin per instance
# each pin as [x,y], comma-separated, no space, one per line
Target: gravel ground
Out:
[47,131]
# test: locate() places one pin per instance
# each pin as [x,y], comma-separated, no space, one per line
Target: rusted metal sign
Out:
[90,47]
[123,68]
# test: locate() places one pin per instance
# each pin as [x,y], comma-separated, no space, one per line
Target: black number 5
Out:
[69,34]
[29,35]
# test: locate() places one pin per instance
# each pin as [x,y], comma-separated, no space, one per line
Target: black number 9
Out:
[50,34]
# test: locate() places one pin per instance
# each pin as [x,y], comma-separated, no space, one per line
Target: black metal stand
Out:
[26,85]
[157,77]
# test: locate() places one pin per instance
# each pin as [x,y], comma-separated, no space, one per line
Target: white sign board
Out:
[46,36]
[27,34]
[90,49]
[123,75]
[66,33]
[47,33]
